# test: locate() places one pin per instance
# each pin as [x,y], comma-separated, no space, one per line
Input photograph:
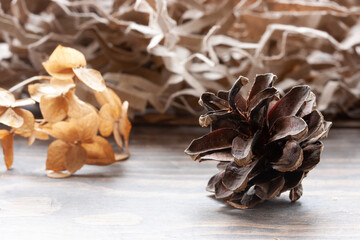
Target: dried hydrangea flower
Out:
[10,113]
[73,122]
[265,144]
[52,98]
[77,144]
[19,120]
[7,145]
[114,119]
[62,61]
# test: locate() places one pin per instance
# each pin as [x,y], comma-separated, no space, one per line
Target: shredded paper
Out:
[162,55]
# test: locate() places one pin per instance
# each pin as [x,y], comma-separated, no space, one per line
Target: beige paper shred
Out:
[162,55]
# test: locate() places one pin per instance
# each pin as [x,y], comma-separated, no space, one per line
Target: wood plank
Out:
[159,193]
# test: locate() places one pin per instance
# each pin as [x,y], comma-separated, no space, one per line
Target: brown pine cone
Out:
[265,144]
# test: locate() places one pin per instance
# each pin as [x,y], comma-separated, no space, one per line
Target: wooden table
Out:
[160,194]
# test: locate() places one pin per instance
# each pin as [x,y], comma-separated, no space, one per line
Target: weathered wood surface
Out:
[160,194]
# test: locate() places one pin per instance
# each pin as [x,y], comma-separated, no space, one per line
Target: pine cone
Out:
[265,144]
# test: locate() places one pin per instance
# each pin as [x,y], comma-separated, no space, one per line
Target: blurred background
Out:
[161,55]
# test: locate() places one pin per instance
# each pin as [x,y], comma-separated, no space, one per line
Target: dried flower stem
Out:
[28,81]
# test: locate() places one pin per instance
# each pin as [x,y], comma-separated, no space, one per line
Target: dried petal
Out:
[29,122]
[3,133]
[53,108]
[11,118]
[99,152]
[124,124]
[91,78]
[78,108]
[117,136]
[87,126]
[31,139]
[121,156]
[58,175]
[106,127]
[107,113]
[291,158]
[7,99]
[62,85]
[2,110]
[75,158]
[107,120]
[56,155]
[62,60]
[75,130]
[55,88]
[108,96]
[7,144]
[115,99]
[37,90]
[40,133]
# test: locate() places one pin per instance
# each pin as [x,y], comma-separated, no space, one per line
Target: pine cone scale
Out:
[291,158]
[311,156]
[235,178]
[290,104]
[221,192]
[260,98]
[291,126]
[262,81]
[217,140]
[241,150]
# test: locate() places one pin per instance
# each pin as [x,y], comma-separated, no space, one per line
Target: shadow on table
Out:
[279,211]
[115,171]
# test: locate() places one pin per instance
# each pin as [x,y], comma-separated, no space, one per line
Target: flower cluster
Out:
[73,122]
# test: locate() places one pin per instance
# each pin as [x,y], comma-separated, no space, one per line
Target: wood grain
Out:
[159,193]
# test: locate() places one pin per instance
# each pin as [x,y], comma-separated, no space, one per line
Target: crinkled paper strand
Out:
[163,54]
